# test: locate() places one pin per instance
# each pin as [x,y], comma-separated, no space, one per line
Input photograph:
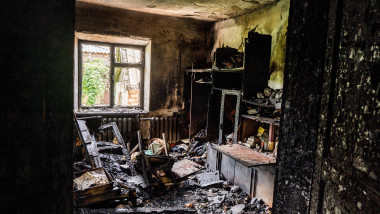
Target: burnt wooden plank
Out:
[86,137]
[83,201]
[88,142]
[81,125]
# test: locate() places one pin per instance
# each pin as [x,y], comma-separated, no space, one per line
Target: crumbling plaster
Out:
[271,19]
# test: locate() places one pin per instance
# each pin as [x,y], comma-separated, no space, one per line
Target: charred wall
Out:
[271,19]
[347,158]
[299,121]
[328,156]
[36,106]
[176,43]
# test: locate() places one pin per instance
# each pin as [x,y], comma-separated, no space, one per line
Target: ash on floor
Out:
[187,197]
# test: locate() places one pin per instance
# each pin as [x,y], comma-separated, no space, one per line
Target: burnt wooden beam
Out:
[88,143]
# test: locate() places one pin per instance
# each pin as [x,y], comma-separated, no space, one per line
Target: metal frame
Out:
[119,138]
[238,95]
[113,64]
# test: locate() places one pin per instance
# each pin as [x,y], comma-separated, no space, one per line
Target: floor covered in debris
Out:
[184,197]
[153,177]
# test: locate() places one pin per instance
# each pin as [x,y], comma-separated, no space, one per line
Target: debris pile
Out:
[220,197]
[90,178]
[151,178]
[227,199]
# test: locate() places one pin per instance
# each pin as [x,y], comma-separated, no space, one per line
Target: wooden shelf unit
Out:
[258,104]
[267,120]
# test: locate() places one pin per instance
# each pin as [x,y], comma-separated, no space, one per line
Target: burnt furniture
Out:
[236,93]
[227,76]
[253,172]
[197,88]
[256,64]
[227,72]
[87,126]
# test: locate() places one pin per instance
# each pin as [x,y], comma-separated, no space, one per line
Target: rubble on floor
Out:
[90,179]
[206,179]
[218,198]
[153,178]
[222,197]
[185,167]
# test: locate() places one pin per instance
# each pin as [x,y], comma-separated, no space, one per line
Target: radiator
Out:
[171,126]
[125,124]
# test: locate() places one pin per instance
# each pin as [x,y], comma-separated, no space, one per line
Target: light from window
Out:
[103,88]
[96,75]
[127,86]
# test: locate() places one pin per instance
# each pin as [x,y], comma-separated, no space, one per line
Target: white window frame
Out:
[143,43]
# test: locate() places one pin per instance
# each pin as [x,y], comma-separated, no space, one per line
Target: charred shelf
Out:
[233,70]
[229,90]
[259,104]
[262,119]
[204,70]
[203,82]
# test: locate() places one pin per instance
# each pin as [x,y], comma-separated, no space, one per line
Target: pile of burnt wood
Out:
[107,170]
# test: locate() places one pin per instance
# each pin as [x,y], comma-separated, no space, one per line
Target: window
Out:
[110,75]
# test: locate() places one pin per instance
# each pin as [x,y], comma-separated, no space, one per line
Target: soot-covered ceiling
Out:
[208,10]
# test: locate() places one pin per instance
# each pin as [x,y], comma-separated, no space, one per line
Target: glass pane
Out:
[127,86]
[127,55]
[96,75]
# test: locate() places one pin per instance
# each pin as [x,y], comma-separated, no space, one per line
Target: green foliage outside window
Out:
[94,81]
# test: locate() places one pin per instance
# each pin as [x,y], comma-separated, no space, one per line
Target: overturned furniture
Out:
[88,140]
[97,184]
[119,138]
[156,168]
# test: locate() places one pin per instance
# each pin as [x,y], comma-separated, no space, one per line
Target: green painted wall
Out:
[271,19]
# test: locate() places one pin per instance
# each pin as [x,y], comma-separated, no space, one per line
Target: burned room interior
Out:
[178,106]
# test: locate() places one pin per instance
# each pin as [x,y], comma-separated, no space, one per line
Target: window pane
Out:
[127,86]
[127,55]
[95,75]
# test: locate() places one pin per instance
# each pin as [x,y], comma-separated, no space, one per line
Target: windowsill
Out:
[109,111]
